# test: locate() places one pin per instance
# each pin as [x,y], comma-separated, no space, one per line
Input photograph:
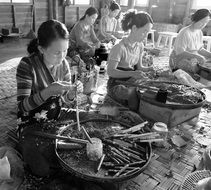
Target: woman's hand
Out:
[201,59]
[76,86]
[56,88]
[139,75]
[97,44]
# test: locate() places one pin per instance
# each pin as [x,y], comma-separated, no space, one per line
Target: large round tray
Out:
[96,177]
[173,105]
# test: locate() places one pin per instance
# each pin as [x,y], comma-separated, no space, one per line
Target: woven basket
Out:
[193,178]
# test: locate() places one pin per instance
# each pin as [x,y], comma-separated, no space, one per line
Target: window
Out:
[123,2]
[199,4]
[15,1]
[81,2]
[142,3]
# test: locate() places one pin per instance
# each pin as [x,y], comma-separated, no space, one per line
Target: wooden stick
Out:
[100,163]
[51,136]
[77,111]
[86,134]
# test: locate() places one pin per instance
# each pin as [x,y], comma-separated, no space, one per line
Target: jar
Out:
[94,150]
[162,129]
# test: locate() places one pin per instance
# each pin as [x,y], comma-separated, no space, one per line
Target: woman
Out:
[43,82]
[83,35]
[188,49]
[125,59]
[108,23]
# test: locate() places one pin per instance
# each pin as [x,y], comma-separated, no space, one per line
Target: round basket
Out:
[109,179]
[193,178]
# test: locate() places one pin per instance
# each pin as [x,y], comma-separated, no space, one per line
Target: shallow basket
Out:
[195,177]
[107,179]
[170,114]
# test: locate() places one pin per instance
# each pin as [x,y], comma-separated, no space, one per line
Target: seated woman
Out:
[43,82]
[188,49]
[125,59]
[83,35]
[108,23]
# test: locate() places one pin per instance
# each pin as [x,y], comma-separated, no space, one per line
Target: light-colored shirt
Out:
[83,35]
[108,24]
[127,54]
[188,40]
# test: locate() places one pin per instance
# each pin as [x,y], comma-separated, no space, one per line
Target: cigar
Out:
[120,157]
[115,160]
[86,134]
[151,140]
[100,163]
[153,134]
[77,140]
[117,145]
[134,128]
[136,163]
[121,171]
[119,153]
[130,155]
[131,171]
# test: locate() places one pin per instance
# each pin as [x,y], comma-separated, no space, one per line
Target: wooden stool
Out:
[169,36]
[208,40]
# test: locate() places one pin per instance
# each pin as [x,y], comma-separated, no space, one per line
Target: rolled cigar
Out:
[119,153]
[100,163]
[77,140]
[120,157]
[68,146]
[114,159]
[151,140]
[152,134]
[130,172]
[134,128]
[86,134]
[120,167]
[128,154]
[121,171]
[117,145]
[137,163]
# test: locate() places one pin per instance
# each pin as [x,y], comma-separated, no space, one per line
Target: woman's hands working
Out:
[60,87]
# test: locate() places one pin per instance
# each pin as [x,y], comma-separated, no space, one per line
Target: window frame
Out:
[75,4]
[122,4]
[195,7]
[16,3]
[145,5]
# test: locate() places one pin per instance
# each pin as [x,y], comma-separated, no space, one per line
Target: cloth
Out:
[32,77]
[180,62]
[126,54]
[83,35]
[188,40]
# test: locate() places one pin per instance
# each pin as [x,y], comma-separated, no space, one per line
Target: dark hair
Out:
[200,14]
[133,18]
[114,6]
[90,11]
[48,32]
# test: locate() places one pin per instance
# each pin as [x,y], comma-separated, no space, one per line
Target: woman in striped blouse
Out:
[43,84]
